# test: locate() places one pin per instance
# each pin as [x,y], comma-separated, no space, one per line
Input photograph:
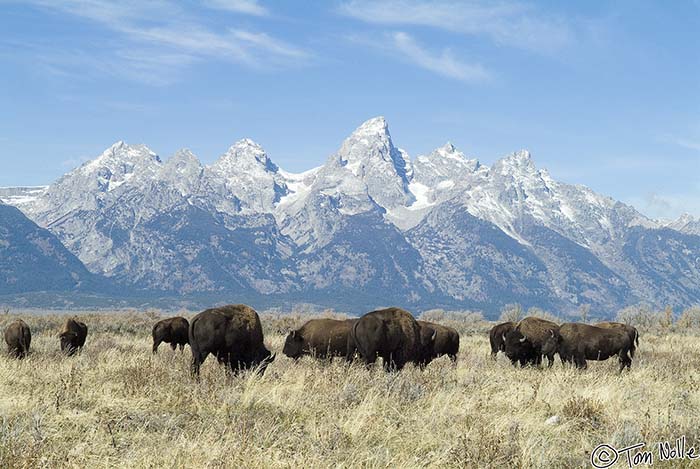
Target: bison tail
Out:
[353,338]
[24,346]
[636,337]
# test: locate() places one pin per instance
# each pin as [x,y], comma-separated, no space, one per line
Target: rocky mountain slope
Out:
[33,259]
[369,227]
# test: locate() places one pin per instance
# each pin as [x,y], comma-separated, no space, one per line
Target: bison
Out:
[497,337]
[321,338]
[631,331]
[524,343]
[520,350]
[577,342]
[390,333]
[437,340]
[72,336]
[233,334]
[18,338]
[174,331]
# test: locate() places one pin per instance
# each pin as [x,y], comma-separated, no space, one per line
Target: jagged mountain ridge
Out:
[440,230]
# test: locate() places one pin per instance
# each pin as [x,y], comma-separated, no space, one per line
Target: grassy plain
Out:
[117,405]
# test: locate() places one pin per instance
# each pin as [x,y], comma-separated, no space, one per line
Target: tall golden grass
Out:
[117,405]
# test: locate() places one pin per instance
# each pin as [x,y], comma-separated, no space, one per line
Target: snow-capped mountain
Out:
[686,223]
[368,227]
[246,173]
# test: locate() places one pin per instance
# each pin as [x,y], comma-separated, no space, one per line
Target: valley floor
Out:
[116,405]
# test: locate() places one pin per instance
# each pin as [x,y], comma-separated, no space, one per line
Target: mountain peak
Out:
[448,148]
[247,143]
[183,155]
[244,155]
[374,126]
[122,159]
[450,152]
[182,160]
[516,162]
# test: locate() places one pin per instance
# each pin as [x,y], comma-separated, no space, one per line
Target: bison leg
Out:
[173,346]
[197,360]
[156,343]
[550,360]
[393,361]
[182,347]
[494,350]
[350,354]
[625,360]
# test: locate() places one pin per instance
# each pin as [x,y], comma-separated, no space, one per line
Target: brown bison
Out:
[173,331]
[321,338]
[18,338]
[631,331]
[233,334]
[497,337]
[72,336]
[577,342]
[524,343]
[438,340]
[392,334]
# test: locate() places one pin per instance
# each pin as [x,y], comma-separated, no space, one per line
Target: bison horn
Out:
[272,358]
[294,333]
[523,339]
[551,331]
[432,338]
[504,337]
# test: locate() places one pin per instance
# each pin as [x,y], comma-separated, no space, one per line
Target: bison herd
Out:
[527,341]
[234,335]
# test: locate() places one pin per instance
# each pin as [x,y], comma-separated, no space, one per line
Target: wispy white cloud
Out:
[403,46]
[687,143]
[443,63]
[160,39]
[667,206]
[248,7]
[505,22]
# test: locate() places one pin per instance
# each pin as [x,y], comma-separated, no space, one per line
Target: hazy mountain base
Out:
[117,405]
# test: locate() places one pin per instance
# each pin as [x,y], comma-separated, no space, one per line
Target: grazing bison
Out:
[390,333]
[577,342]
[72,336]
[631,331]
[18,338]
[437,340]
[524,343]
[321,338]
[174,331]
[233,334]
[497,337]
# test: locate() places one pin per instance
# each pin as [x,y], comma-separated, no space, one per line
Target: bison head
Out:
[293,346]
[426,347]
[518,347]
[552,343]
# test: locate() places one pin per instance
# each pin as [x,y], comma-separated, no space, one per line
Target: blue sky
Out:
[602,93]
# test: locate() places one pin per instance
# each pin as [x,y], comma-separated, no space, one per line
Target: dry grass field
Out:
[117,405]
